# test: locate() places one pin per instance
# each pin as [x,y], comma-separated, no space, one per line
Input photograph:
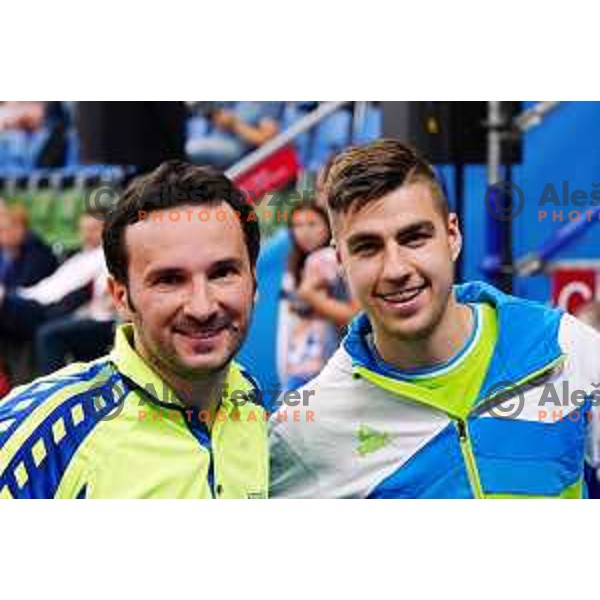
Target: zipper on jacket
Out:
[461,425]
[201,433]
[521,385]
[468,456]
[463,429]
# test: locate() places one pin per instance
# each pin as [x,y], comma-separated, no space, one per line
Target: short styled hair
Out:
[174,183]
[362,174]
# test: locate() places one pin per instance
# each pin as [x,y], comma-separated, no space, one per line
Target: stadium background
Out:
[561,148]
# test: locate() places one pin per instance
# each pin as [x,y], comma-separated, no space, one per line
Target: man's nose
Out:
[395,266]
[200,302]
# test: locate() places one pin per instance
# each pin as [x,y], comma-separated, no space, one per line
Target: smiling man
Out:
[167,414]
[437,390]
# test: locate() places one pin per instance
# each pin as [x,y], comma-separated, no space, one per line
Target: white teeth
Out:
[403,296]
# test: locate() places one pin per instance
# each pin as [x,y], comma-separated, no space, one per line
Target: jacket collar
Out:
[527,336]
[130,364]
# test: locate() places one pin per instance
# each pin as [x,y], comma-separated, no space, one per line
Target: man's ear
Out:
[335,223]
[120,298]
[338,253]
[454,236]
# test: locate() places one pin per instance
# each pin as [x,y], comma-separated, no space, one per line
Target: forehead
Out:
[398,209]
[89,222]
[159,241]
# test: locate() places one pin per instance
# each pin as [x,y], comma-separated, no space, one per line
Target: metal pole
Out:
[459,207]
[494,145]
[498,262]
[284,138]
[532,117]
[533,262]
[359,114]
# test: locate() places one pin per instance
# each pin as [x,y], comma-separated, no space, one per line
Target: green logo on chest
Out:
[370,440]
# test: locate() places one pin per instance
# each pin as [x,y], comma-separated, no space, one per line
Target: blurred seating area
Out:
[41,167]
[25,140]
[337,131]
[57,167]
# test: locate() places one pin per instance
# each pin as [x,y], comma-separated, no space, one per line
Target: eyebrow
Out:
[226,262]
[155,272]
[218,264]
[418,227]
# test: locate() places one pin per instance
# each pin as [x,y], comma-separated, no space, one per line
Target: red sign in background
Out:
[574,286]
[273,173]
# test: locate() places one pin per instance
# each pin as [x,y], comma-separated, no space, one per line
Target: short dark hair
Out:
[362,174]
[174,183]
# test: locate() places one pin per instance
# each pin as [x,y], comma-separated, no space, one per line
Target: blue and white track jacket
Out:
[527,434]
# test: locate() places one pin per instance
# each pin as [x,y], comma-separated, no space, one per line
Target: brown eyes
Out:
[364,249]
[415,240]
[224,272]
[168,279]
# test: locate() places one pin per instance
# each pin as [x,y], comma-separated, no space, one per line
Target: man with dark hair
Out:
[167,413]
[438,390]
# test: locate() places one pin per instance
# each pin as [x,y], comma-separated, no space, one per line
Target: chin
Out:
[417,327]
[206,364]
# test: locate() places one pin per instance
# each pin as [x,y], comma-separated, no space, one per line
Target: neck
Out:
[203,393]
[445,341]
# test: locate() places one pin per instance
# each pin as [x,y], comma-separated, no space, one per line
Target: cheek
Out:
[361,277]
[237,298]
[323,234]
[433,257]
[154,308]
[302,238]
[439,267]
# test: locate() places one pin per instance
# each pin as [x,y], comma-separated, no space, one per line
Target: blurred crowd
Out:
[141,134]
[54,306]
[144,134]
[52,314]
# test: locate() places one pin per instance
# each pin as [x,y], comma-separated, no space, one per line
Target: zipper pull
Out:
[462,429]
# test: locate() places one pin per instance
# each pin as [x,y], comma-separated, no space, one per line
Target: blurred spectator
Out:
[21,115]
[24,258]
[45,125]
[237,130]
[24,310]
[80,339]
[142,134]
[315,304]
[54,149]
